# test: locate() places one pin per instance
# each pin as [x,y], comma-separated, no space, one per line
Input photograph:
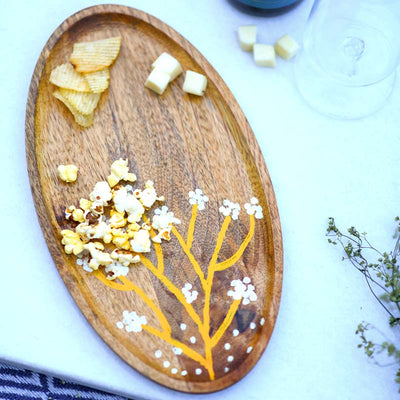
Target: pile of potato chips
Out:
[81,82]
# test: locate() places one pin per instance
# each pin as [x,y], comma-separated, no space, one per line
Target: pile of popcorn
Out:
[122,228]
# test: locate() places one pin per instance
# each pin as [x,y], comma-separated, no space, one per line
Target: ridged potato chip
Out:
[84,103]
[66,77]
[95,56]
[82,120]
[99,80]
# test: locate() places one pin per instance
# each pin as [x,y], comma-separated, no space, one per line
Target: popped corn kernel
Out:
[101,193]
[126,202]
[125,257]
[120,171]
[85,204]
[149,195]
[116,269]
[68,173]
[141,241]
[72,242]
[121,239]
[99,257]
[117,219]
[76,214]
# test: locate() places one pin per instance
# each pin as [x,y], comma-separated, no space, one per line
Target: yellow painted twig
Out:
[235,258]
[226,322]
[189,239]
[130,286]
[157,247]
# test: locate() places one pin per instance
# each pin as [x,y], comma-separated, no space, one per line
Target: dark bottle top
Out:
[267,7]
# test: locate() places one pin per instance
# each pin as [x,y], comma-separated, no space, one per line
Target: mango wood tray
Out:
[182,143]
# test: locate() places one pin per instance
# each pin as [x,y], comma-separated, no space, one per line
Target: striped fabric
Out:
[22,384]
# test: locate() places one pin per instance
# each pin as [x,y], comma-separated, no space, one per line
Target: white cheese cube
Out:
[247,37]
[157,81]
[194,83]
[165,62]
[286,47]
[264,55]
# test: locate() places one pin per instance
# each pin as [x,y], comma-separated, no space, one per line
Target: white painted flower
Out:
[132,321]
[190,296]
[253,208]
[243,290]
[162,222]
[197,197]
[230,208]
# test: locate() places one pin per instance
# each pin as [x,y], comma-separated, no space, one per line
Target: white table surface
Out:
[319,167]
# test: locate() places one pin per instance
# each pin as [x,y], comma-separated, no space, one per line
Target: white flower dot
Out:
[192,339]
[252,325]
[227,346]
[158,353]
[120,325]
[235,332]
[229,358]
[198,371]
[226,369]
[178,351]
[254,200]
[183,326]
[246,279]
[249,349]
[174,371]
[166,364]
[262,321]
[184,372]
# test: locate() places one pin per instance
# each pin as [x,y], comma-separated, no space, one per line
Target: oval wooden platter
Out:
[190,343]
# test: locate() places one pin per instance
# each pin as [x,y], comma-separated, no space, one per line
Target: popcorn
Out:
[162,222]
[141,241]
[101,194]
[76,214]
[117,219]
[126,202]
[125,257]
[116,269]
[120,171]
[85,204]
[197,197]
[229,208]
[241,291]
[68,173]
[99,257]
[253,208]
[72,242]
[149,196]
[121,238]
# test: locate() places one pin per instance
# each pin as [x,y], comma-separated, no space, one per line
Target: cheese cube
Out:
[195,83]
[286,47]
[165,62]
[247,37]
[157,81]
[264,55]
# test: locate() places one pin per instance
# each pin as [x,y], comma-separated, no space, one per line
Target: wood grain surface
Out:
[181,142]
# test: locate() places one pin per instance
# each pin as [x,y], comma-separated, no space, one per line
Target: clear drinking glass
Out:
[351,49]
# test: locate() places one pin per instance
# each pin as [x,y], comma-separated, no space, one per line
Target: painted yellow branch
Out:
[189,240]
[194,355]
[130,286]
[190,256]
[226,322]
[173,289]
[157,247]
[235,258]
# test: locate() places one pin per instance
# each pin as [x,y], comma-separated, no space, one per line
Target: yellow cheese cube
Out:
[157,81]
[247,37]
[165,62]
[286,47]
[264,55]
[195,83]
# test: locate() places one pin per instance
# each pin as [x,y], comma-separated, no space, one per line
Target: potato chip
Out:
[66,77]
[84,103]
[99,80]
[82,120]
[95,56]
